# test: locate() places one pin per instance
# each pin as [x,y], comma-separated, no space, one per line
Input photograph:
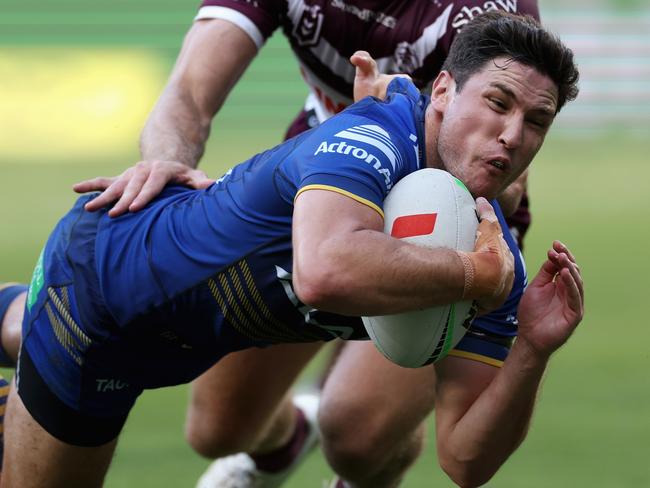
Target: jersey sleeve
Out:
[257,18]
[354,156]
[361,152]
[366,149]
[490,336]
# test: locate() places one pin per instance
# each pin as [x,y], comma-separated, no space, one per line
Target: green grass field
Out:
[592,191]
[592,424]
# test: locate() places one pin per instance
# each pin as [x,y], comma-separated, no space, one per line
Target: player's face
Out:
[491,130]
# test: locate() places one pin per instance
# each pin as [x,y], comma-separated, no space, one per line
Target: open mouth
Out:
[497,164]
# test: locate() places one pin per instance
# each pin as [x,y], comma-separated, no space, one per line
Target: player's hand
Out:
[367,79]
[553,304]
[493,263]
[140,184]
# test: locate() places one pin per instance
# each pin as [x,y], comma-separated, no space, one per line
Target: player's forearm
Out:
[215,54]
[373,274]
[344,263]
[175,131]
[497,422]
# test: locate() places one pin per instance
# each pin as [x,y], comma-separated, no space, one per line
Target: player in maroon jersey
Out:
[242,405]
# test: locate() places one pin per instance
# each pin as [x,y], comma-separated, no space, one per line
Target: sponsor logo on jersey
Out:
[366,14]
[37,282]
[468,13]
[307,29]
[226,175]
[372,135]
[105,385]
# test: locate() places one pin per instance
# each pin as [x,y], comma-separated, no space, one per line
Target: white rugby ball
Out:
[428,208]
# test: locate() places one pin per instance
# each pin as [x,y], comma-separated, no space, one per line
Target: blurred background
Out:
[77,80]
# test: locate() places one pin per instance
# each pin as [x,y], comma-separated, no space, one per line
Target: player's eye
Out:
[497,103]
[538,123]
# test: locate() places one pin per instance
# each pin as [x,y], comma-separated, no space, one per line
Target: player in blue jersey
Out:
[289,247]
[258,416]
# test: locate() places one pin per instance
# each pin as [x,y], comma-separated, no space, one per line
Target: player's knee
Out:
[344,447]
[361,461]
[361,446]
[11,328]
[213,437]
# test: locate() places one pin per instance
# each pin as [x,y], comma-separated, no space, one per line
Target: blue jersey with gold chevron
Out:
[154,298]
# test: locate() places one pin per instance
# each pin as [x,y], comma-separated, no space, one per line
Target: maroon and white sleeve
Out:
[258,18]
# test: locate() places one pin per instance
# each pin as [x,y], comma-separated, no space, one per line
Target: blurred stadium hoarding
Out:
[612,48]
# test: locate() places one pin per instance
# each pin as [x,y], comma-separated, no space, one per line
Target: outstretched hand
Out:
[368,81]
[140,184]
[553,304]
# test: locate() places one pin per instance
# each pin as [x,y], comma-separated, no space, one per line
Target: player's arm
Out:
[344,263]
[214,55]
[483,412]
[174,137]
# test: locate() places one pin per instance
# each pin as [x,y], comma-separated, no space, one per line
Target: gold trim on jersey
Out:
[242,305]
[342,192]
[476,357]
[65,329]
[63,307]
[305,335]
[61,333]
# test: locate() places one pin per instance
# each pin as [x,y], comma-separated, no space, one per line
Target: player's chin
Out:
[483,184]
[487,191]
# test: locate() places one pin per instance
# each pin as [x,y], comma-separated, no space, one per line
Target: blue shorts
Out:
[79,372]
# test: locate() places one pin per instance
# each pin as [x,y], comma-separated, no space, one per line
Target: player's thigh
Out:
[368,399]
[35,459]
[242,391]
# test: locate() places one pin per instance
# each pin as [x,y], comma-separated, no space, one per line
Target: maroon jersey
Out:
[404,36]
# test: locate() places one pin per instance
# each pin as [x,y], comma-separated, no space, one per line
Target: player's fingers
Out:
[94,184]
[561,262]
[364,63]
[108,196]
[150,189]
[561,247]
[199,180]
[575,273]
[547,271]
[574,299]
[558,260]
[485,210]
[131,191]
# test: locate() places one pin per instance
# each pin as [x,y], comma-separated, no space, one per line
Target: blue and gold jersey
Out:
[228,248]
[198,274]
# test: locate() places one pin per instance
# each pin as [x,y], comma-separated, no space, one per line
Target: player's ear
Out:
[442,90]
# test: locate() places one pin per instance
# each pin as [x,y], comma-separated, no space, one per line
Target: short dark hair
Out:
[521,39]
